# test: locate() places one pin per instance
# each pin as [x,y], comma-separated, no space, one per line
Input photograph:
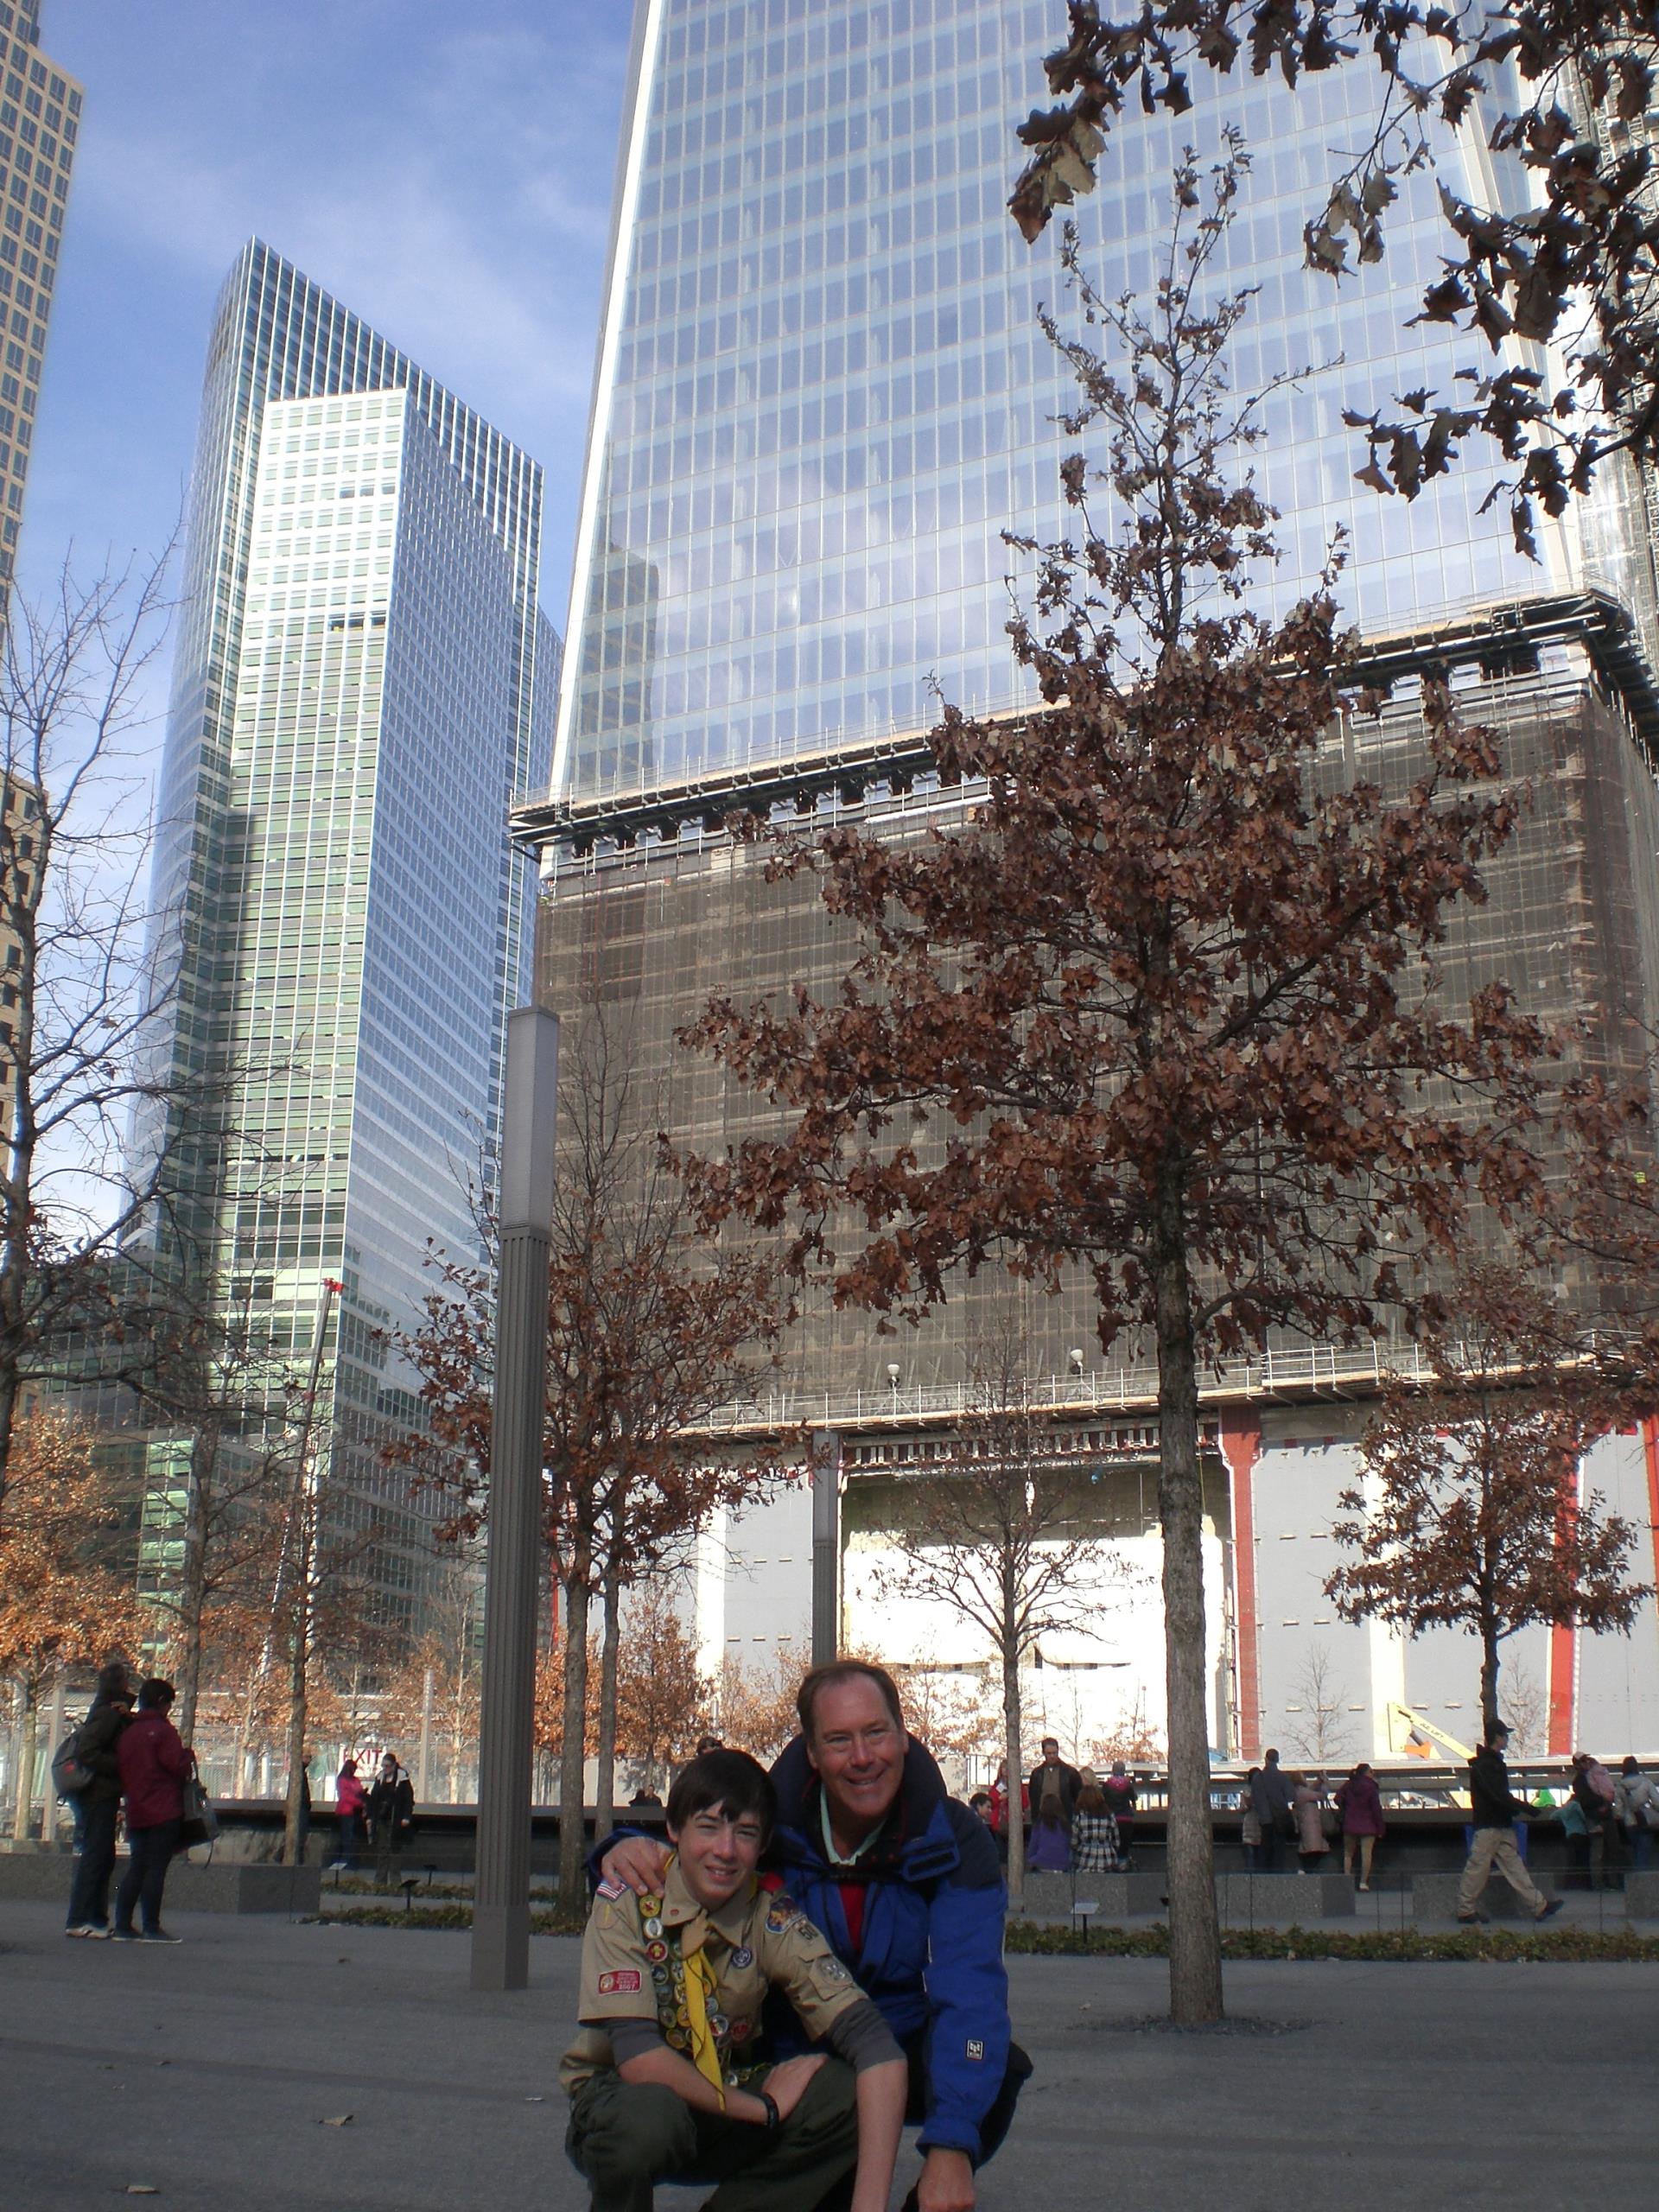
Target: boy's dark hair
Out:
[729,1780]
[155,1695]
[845,1671]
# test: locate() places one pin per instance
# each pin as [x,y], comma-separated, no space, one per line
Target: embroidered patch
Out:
[784,1915]
[744,1957]
[656,1950]
[613,1890]
[741,2030]
[614,1985]
[975,2048]
[653,1927]
[832,1970]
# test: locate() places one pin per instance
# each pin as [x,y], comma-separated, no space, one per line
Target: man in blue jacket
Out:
[907,1886]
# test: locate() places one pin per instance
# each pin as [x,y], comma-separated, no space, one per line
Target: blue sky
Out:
[443,170]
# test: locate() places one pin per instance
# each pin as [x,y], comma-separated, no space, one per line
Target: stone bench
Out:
[1285,1900]
[1115,1897]
[1641,1893]
[219,1886]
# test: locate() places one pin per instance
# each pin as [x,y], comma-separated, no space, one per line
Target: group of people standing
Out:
[1072,1818]
[1277,1808]
[385,1809]
[138,1767]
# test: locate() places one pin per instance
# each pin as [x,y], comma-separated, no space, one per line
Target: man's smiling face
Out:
[858,1748]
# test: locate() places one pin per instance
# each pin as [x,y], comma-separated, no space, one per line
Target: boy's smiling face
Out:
[719,1850]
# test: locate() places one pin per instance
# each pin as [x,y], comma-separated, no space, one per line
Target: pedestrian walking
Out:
[155,1767]
[351,1800]
[1307,1809]
[1095,1845]
[1636,1802]
[1359,1802]
[1119,1791]
[1270,1793]
[391,1817]
[1494,1809]
[97,1806]
[1249,1822]
[1050,1849]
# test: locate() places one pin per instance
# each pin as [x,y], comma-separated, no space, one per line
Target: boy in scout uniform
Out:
[668,2081]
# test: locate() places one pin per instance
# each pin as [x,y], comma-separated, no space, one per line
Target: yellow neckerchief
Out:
[702,1997]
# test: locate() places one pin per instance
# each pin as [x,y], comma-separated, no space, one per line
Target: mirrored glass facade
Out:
[40,124]
[821,394]
[360,688]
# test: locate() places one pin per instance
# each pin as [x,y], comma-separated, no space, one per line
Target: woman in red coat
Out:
[1360,1802]
[155,1767]
[351,1802]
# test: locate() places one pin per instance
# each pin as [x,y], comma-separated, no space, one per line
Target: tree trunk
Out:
[1014,1753]
[573,1844]
[604,1787]
[28,1751]
[1489,1664]
[193,1588]
[1195,1991]
[9,1383]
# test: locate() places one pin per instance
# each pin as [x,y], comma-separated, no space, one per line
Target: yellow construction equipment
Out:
[1413,1735]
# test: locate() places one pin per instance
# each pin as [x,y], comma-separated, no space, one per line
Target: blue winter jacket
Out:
[930,1949]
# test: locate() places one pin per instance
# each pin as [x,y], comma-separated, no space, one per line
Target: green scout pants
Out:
[627,2136]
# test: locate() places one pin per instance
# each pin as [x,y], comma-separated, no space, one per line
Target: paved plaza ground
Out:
[208,2072]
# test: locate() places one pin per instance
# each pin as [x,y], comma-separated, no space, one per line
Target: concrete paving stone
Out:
[1285,1900]
[209,2071]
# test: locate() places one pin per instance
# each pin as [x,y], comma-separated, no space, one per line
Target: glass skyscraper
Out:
[363,681]
[822,393]
[820,396]
[40,122]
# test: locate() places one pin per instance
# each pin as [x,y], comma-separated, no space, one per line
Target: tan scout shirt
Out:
[758,1939]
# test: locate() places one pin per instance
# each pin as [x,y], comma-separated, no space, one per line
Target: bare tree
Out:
[80,990]
[988,1532]
[1321,1731]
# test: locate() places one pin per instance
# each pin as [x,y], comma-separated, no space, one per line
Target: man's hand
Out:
[946,2182]
[786,2083]
[638,1864]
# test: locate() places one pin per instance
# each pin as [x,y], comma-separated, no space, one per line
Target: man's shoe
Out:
[124,1935]
[160,1936]
[1550,1909]
[1473,1920]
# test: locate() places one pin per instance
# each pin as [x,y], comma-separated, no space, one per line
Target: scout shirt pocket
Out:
[798,1960]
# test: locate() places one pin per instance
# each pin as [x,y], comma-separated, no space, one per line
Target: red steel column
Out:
[1241,1448]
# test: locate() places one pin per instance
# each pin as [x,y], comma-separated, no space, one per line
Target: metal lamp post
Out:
[501,1897]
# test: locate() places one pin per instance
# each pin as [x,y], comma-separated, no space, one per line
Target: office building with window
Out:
[39,123]
[822,395]
[363,681]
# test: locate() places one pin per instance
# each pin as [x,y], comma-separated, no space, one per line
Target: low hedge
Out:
[1556,1944]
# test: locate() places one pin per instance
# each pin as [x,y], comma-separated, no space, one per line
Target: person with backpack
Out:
[93,1749]
[1636,1800]
[155,1767]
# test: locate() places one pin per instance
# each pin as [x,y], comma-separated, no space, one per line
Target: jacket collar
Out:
[915,1843]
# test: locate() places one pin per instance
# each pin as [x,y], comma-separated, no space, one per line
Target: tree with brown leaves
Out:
[61,1602]
[1472,1516]
[1562,93]
[662,1700]
[650,1329]
[1163,1002]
